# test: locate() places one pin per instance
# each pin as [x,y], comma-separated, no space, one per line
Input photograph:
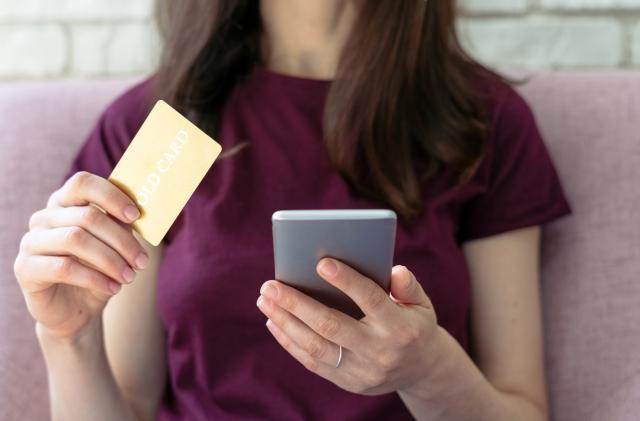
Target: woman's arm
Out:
[135,339]
[116,369]
[78,253]
[399,347]
[508,382]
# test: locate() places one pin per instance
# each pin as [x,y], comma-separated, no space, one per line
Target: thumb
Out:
[405,288]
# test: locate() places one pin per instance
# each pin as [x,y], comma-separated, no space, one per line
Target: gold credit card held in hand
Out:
[162,167]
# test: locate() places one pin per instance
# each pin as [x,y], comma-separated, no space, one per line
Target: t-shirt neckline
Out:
[283,78]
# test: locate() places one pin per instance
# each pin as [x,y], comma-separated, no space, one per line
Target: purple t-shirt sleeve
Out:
[98,152]
[520,186]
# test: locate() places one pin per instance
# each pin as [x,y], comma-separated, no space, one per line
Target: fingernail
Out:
[264,305]
[131,212]
[269,291]
[397,268]
[141,261]
[328,267]
[115,287]
[128,275]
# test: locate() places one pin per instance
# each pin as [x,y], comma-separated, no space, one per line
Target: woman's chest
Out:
[220,249]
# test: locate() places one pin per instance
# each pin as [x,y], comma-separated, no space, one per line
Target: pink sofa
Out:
[591,261]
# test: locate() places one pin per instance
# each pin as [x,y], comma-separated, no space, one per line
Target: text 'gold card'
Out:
[162,167]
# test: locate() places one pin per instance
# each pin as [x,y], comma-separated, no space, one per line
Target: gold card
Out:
[162,167]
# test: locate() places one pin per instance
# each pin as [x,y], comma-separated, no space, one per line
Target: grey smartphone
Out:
[362,238]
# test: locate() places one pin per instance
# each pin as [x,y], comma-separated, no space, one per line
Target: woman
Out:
[320,104]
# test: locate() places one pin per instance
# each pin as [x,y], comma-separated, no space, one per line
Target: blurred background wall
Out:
[42,39]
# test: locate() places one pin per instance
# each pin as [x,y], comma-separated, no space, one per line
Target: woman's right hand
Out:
[75,256]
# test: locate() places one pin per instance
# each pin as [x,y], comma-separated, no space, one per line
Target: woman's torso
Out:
[220,252]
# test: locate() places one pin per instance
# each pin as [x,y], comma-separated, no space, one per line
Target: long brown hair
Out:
[402,105]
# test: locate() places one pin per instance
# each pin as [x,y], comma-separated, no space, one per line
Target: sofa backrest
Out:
[41,127]
[591,260]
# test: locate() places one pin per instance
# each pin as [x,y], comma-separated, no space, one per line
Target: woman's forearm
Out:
[464,393]
[81,384]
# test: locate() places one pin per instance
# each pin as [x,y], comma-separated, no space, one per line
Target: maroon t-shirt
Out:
[222,361]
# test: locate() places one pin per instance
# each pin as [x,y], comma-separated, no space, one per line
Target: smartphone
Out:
[362,238]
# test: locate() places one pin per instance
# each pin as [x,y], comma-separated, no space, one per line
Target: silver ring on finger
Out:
[339,357]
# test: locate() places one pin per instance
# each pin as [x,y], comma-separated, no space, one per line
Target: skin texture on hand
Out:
[397,347]
[393,347]
[78,253]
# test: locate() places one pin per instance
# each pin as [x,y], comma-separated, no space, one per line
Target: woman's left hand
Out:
[393,348]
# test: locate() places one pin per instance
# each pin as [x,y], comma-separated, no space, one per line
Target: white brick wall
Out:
[76,38]
[105,48]
[74,10]
[635,42]
[32,51]
[546,41]
[97,38]
[553,33]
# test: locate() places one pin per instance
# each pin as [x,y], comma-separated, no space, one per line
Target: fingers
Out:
[314,345]
[325,321]
[83,188]
[312,364]
[343,376]
[76,241]
[111,232]
[406,289]
[40,272]
[372,300]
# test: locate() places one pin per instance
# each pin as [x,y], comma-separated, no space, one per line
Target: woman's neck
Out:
[305,37]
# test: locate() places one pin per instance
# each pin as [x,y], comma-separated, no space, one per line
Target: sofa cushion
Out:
[591,261]
[41,128]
